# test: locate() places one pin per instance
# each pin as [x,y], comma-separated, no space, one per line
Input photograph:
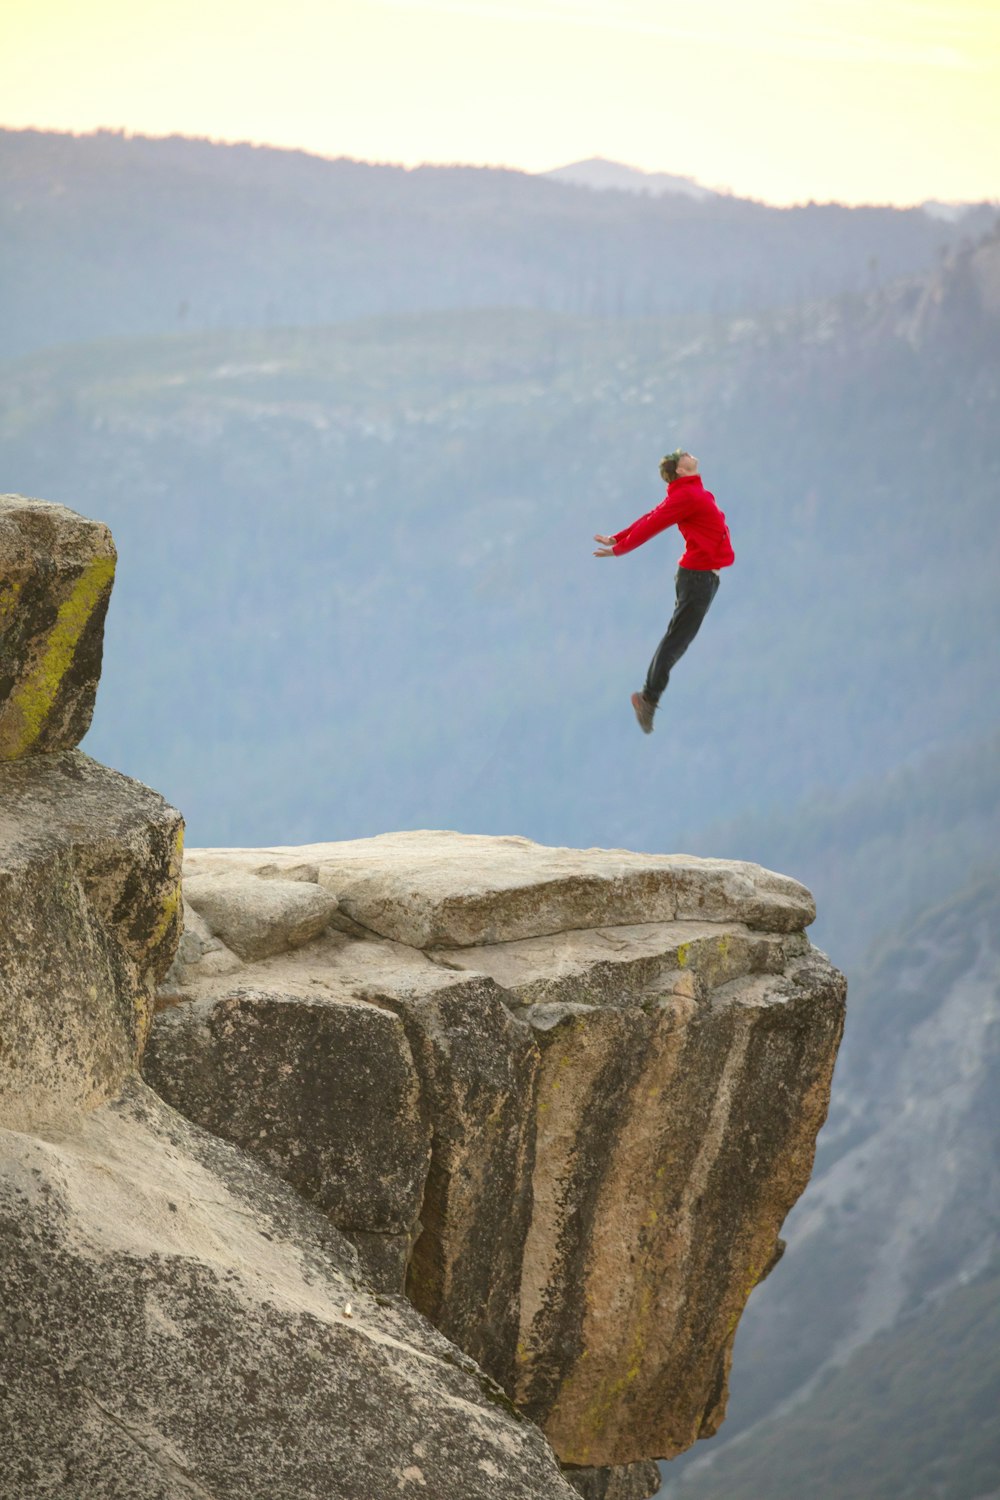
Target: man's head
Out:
[677,464]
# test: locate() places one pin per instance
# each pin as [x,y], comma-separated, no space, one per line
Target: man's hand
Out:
[606,548]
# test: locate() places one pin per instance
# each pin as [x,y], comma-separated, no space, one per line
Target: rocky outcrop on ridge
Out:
[564,1099]
[539,1115]
[175,1321]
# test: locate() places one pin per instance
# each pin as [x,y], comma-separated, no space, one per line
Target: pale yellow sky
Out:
[891,101]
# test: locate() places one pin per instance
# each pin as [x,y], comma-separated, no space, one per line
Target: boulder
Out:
[90,900]
[256,918]
[56,573]
[176,1322]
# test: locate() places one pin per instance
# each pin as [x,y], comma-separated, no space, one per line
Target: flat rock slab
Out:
[627,965]
[176,1322]
[56,575]
[444,890]
[90,911]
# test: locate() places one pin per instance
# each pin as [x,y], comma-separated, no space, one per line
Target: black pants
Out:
[695,591]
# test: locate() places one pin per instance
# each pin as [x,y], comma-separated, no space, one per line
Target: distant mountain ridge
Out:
[599,173]
[107,235]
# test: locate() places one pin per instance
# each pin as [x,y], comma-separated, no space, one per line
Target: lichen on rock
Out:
[56,575]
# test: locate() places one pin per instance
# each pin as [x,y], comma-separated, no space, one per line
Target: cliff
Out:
[453,1159]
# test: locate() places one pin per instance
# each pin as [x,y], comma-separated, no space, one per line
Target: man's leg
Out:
[695,591]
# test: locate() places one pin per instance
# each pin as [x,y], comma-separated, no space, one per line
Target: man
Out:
[692,509]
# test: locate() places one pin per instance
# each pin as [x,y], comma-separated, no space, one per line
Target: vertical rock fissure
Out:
[464,1269]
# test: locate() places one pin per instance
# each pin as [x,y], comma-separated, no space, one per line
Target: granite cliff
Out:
[418,1164]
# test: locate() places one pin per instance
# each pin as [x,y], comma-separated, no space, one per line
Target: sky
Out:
[859,101]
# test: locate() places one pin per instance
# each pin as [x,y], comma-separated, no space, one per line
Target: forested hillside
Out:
[107,234]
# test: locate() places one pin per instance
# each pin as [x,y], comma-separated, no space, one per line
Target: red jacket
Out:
[692,509]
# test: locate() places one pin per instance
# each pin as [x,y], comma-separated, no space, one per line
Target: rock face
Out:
[326,1095]
[90,866]
[179,1323]
[631,1482]
[620,1063]
[56,572]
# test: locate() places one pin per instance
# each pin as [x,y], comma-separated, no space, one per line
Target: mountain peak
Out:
[599,173]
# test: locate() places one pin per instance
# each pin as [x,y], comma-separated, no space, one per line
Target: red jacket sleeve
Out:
[667,513]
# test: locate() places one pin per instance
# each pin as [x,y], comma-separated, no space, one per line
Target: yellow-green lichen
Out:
[601,1412]
[143,1008]
[10,592]
[32,699]
[683,955]
[172,900]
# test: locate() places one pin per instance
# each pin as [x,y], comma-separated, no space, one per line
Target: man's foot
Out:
[644,711]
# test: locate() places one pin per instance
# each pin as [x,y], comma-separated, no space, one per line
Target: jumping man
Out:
[692,508]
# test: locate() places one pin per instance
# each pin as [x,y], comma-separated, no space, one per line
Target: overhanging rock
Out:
[623,1061]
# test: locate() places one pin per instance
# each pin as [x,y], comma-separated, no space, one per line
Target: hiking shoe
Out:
[644,711]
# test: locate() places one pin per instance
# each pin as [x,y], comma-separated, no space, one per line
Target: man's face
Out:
[687,464]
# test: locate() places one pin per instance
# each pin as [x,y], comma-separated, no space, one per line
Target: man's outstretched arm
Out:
[667,513]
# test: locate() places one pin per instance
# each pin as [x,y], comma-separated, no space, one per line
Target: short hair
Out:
[668,465]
